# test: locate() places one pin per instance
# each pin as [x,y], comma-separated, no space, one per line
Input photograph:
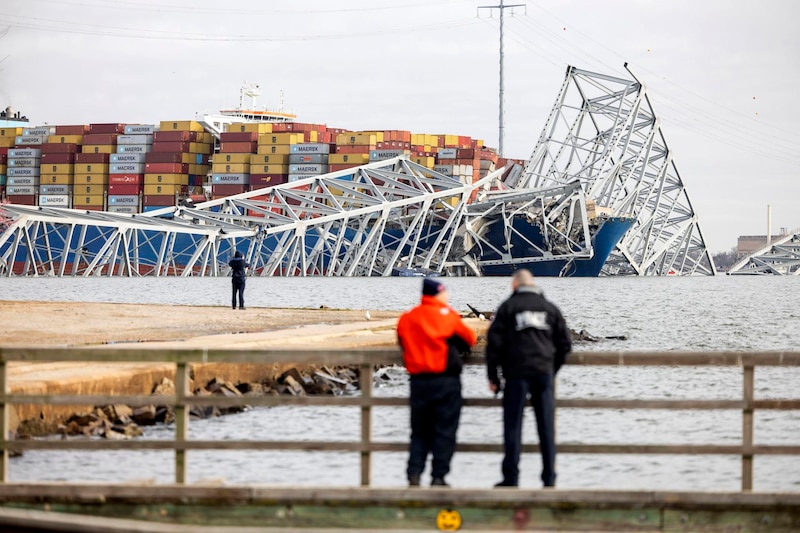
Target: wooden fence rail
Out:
[367,360]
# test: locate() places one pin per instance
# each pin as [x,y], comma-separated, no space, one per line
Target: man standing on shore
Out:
[238,278]
[529,340]
[433,338]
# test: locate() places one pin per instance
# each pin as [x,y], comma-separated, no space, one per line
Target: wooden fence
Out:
[367,360]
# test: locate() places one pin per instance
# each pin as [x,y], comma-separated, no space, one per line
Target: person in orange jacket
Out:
[433,338]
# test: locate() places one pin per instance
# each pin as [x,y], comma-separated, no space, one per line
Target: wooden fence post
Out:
[747,428]
[181,419]
[4,407]
[365,382]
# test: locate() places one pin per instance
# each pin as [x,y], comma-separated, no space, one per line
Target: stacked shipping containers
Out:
[126,168]
[92,166]
[57,168]
[23,175]
[270,164]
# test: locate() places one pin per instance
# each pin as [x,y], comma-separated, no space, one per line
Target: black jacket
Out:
[238,264]
[528,336]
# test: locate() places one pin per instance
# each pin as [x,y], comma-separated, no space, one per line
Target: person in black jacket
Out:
[238,277]
[528,341]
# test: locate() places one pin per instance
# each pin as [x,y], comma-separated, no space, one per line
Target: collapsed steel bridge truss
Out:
[781,257]
[359,222]
[603,132]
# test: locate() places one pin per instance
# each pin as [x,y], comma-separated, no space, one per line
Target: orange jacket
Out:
[423,333]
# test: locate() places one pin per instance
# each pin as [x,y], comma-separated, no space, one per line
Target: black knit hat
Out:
[431,287]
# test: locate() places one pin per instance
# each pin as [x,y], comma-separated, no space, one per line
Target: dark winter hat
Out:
[431,287]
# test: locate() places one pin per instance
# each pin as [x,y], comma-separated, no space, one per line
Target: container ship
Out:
[135,169]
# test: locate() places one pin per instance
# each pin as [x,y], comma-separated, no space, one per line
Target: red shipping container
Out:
[257,181]
[465,153]
[100,138]
[238,137]
[228,190]
[238,147]
[4,150]
[158,199]
[124,189]
[3,159]
[334,168]
[163,157]
[171,146]
[126,179]
[57,159]
[59,148]
[79,129]
[92,158]
[22,199]
[174,136]
[166,168]
[106,128]
[354,149]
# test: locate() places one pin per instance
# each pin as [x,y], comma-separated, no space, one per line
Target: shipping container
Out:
[23,162]
[336,167]
[24,152]
[54,200]
[22,180]
[78,129]
[232,158]
[100,138]
[126,168]
[170,157]
[380,155]
[447,153]
[42,131]
[128,158]
[230,179]
[140,129]
[127,199]
[308,169]
[269,169]
[82,207]
[158,200]
[253,127]
[58,148]
[274,149]
[166,168]
[238,137]
[23,171]
[91,168]
[98,148]
[55,189]
[175,136]
[315,159]
[134,139]
[134,148]
[84,200]
[348,159]
[269,159]
[65,139]
[355,149]
[311,148]
[7,142]
[238,147]
[228,190]
[61,168]
[298,177]
[126,189]
[90,179]
[281,138]
[230,168]
[164,189]
[165,179]
[106,128]
[57,159]
[89,189]
[124,209]
[126,179]
[57,179]
[12,132]
[91,158]
[258,181]
[21,199]
[24,140]
[180,125]
[356,138]
[21,190]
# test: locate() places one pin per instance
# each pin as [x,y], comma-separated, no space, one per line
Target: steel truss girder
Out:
[604,133]
[781,257]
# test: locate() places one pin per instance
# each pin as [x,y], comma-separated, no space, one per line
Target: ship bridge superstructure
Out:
[603,132]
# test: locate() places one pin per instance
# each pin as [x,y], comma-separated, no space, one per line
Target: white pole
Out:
[769,225]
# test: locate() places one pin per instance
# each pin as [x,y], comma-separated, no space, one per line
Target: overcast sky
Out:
[723,75]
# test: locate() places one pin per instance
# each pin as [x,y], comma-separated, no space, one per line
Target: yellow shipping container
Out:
[98,148]
[180,125]
[231,168]
[207,138]
[7,142]
[61,168]
[379,135]
[165,179]
[91,179]
[269,169]
[450,140]
[281,138]
[3,170]
[85,189]
[251,127]
[56,179]
[424,161]
[231,158]
[163,189]
[357,139]
[201,148]
[91,168]
[199,169]
[273,149]
[342,159]
[87,199]
[65,139]
[269,159]
[10,132]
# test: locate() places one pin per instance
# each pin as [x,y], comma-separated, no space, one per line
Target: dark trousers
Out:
[238,288]
[435,411]
[515,394]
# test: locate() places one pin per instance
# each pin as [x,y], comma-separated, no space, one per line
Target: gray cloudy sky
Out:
[722,74]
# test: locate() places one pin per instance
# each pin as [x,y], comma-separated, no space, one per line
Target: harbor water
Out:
[697,313]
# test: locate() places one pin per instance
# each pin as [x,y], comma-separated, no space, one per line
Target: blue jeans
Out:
[515,394]
[435,412]
[238,289]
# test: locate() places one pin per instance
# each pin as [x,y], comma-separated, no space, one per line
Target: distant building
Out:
[747,244]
